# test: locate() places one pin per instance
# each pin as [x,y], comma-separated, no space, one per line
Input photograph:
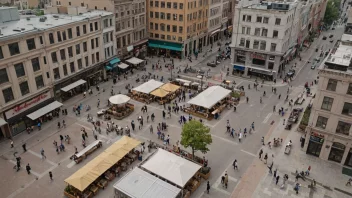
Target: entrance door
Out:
[314,148]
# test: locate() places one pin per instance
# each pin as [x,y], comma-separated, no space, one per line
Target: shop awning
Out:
[261,71]
[159,93]
[47,109]
[135,61]
[96,167]
[148,87]
[209,97]
[114,61]
[165,45]
[2,122]
[171,167]
[238,67]
[108,68]
[123,65]
[140,184]
[170,87]
[73,85]
[214,32]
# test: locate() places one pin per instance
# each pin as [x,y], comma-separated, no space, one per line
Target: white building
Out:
[264,37]
[41,55]
[329,133]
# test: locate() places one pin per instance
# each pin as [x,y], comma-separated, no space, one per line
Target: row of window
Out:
[342,127]
[327,105]
[261,45]
[260,19]
[260,32]
[126,40]
[167,16]
[168,28]
[163,4]
[165,37]
[332,85]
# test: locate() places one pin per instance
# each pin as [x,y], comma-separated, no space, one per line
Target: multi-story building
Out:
[329,132]
[130,23]
[177,28]
[41,55]
[264,37]
[215,20]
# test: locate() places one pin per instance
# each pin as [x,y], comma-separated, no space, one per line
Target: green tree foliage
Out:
[197,136]
[332,11]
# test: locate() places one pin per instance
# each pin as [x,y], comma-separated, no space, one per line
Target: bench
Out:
[88,150]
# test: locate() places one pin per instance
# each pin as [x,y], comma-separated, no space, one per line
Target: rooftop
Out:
[33,23]
[276,5]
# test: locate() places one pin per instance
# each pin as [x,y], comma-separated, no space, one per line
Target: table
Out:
[94,189]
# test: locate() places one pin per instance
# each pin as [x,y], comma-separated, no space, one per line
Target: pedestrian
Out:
[235,165]
[51,175]
[349,182]
[64,123]
[24,147]
[11,144]
[151,129]
[277,179]
[253,126]
[228,127]
[208,187]
[226,180]
[42,153]
[232,132]
[164,114]
[28,168]
[260,154]
[284,122]
[83,137]
[296,188]
[265,158]
[168,140]
[240,137]
[147,118]
[263,141]
[223,180]
[132,125]
[98,103]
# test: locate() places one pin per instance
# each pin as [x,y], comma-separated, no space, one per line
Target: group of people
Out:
[240,135]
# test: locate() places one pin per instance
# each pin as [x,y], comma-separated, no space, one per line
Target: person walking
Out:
[265,158]
[271,168]
[164,114]
[151,129]
[43,154]
[240,137]
[235,167]
[277,179]
[208,187]
[260,154]
[132,125]
[24,147]
[11,144]
[226,181]
[232,132]
[349,182]
[98,103]
[51,175]
[28,168]
[228,127]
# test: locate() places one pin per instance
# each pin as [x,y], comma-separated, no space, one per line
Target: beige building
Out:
[41,55]
[177,27]
[329,133]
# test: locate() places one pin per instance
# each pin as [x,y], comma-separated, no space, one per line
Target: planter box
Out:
[205,176]
[69,195]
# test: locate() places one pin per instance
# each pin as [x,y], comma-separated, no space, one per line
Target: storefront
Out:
[214,36]
[17,116]
[238,69]
[163,48]
[336,152]
[73,89]
[140,49]
[315,144]
[348,161]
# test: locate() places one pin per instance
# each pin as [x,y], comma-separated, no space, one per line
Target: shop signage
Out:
[258,56]
[316,137]
[27,105]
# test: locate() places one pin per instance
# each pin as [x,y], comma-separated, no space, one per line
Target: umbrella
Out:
[119,99]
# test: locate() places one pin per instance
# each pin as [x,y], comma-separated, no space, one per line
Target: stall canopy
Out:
[171,167]
[114,61]
[119,99]
[140,184]
[209,97]
[123,65]
[134,61]
[42,111]
[96,167]
[170,87]
[2,122]
[148,87]
[159,93]
[73,85]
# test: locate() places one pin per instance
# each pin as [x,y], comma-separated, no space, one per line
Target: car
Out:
[331,41]
[291,73]
[314,65]
[324,37]
[317,59]
[331,35]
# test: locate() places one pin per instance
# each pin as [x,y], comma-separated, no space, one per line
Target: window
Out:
[262,45]
[64,67]
[265,32]
[162,4]
[79,63]
[39,81]
[70,52]
[64,35]
[51,38]
[92,43]
[78,49]
[93,58]
[156,15]
[84,29]
[180,29]
[86,60]
[31,44]
[151,3]
[58,36]
[56,73]
[91,27]
[41,40]
[14,49]
[257,32]
[96,26]
[181,6]
[249,18]
[180,39]
[78,33]
[332,85]
[244,18]
[151,14]
[97,42]
[3,76]
[270,65]
[1,54]
[275,34]
[72,67]
[69,32]
[349,90]
[255,44]
[266,20]
[54,57]
[277,21]
[63,54]
[97,56]
[35,64]
[259,19]
[321,122]
[19,70]
[273,47]
[24,88]
[8,95]
[156,26]
[168,4]
[327,103]
[156,4]
[174,16]
[174,28]
[343,128]
[44,60]
[248,31]
[180,17]
[175,5]
[84,46]
[168,28]
[248,43]
[242,41]
[347,109]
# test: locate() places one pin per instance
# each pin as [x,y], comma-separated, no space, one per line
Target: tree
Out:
[332,11]
[197,136]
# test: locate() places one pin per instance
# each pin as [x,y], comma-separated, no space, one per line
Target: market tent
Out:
[170,87]
[119,99]
[44,110]
[134,61]
[140,184]
[171,167]
[73,85]
[123,65]
[148,87]
[159,93]
[209,97]
[96,167]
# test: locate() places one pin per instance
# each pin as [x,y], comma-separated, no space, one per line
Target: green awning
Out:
[108,68]
[165,45]
[114,61]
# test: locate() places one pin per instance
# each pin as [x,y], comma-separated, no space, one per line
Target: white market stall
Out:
[119,108]
[142,92]
[135,61]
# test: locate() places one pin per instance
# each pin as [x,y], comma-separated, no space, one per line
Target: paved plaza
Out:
[251,180]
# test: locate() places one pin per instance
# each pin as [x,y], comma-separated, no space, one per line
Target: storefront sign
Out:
[27,105]
[258,56]
[315,137]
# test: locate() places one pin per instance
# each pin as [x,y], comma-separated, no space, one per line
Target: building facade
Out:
[40,55]
[177,28]
[329,133]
